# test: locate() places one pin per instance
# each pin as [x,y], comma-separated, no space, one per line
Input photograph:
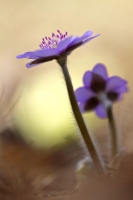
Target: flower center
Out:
[102,96]
[50,43]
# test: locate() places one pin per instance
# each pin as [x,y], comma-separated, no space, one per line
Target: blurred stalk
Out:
[114,142]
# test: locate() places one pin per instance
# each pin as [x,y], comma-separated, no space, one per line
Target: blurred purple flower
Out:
[99,91]
[55,47]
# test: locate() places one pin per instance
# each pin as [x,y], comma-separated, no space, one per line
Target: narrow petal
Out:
[73,42]
[29,65]
[86,35]
[28,55]
[82,38]
[100,111]
[83,94]
[90,38]
[115,83]
[80,41]
[75,38]
[40,61]
[87,78]
[46,52]
[100,69]
[71,47]
[39,53]
[62,46]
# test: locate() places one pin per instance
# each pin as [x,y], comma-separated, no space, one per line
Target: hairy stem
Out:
[83,129]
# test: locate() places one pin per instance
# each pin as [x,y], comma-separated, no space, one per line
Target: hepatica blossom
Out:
[99,90]
[59,45]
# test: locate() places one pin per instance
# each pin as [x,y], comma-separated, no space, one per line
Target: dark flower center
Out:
[112,96]
[91,104]
[98,84]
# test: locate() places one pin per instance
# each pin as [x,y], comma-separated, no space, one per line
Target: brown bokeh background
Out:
[42,112]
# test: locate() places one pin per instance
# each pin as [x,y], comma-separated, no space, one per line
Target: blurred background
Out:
[34,101]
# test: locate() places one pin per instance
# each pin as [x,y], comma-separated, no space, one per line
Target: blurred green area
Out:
[43,113]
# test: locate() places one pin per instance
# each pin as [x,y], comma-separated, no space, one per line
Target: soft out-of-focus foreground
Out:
[34,101]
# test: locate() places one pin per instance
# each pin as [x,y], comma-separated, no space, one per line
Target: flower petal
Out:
[82,38]
[29,65]
[46,52]
[40,61]
[117,94]
[62,46]
[100,69]
[87,78]
[86,35]
[79,41]
[115,83]
[83,94]
[28,55]
[121,89]
[75,38]
[90,38]
[101,111]
[39,53]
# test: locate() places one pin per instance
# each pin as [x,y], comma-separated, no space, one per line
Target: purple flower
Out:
[99,91]
[57,46]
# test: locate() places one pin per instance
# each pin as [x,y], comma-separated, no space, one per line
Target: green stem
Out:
[114,145]
[87,139]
